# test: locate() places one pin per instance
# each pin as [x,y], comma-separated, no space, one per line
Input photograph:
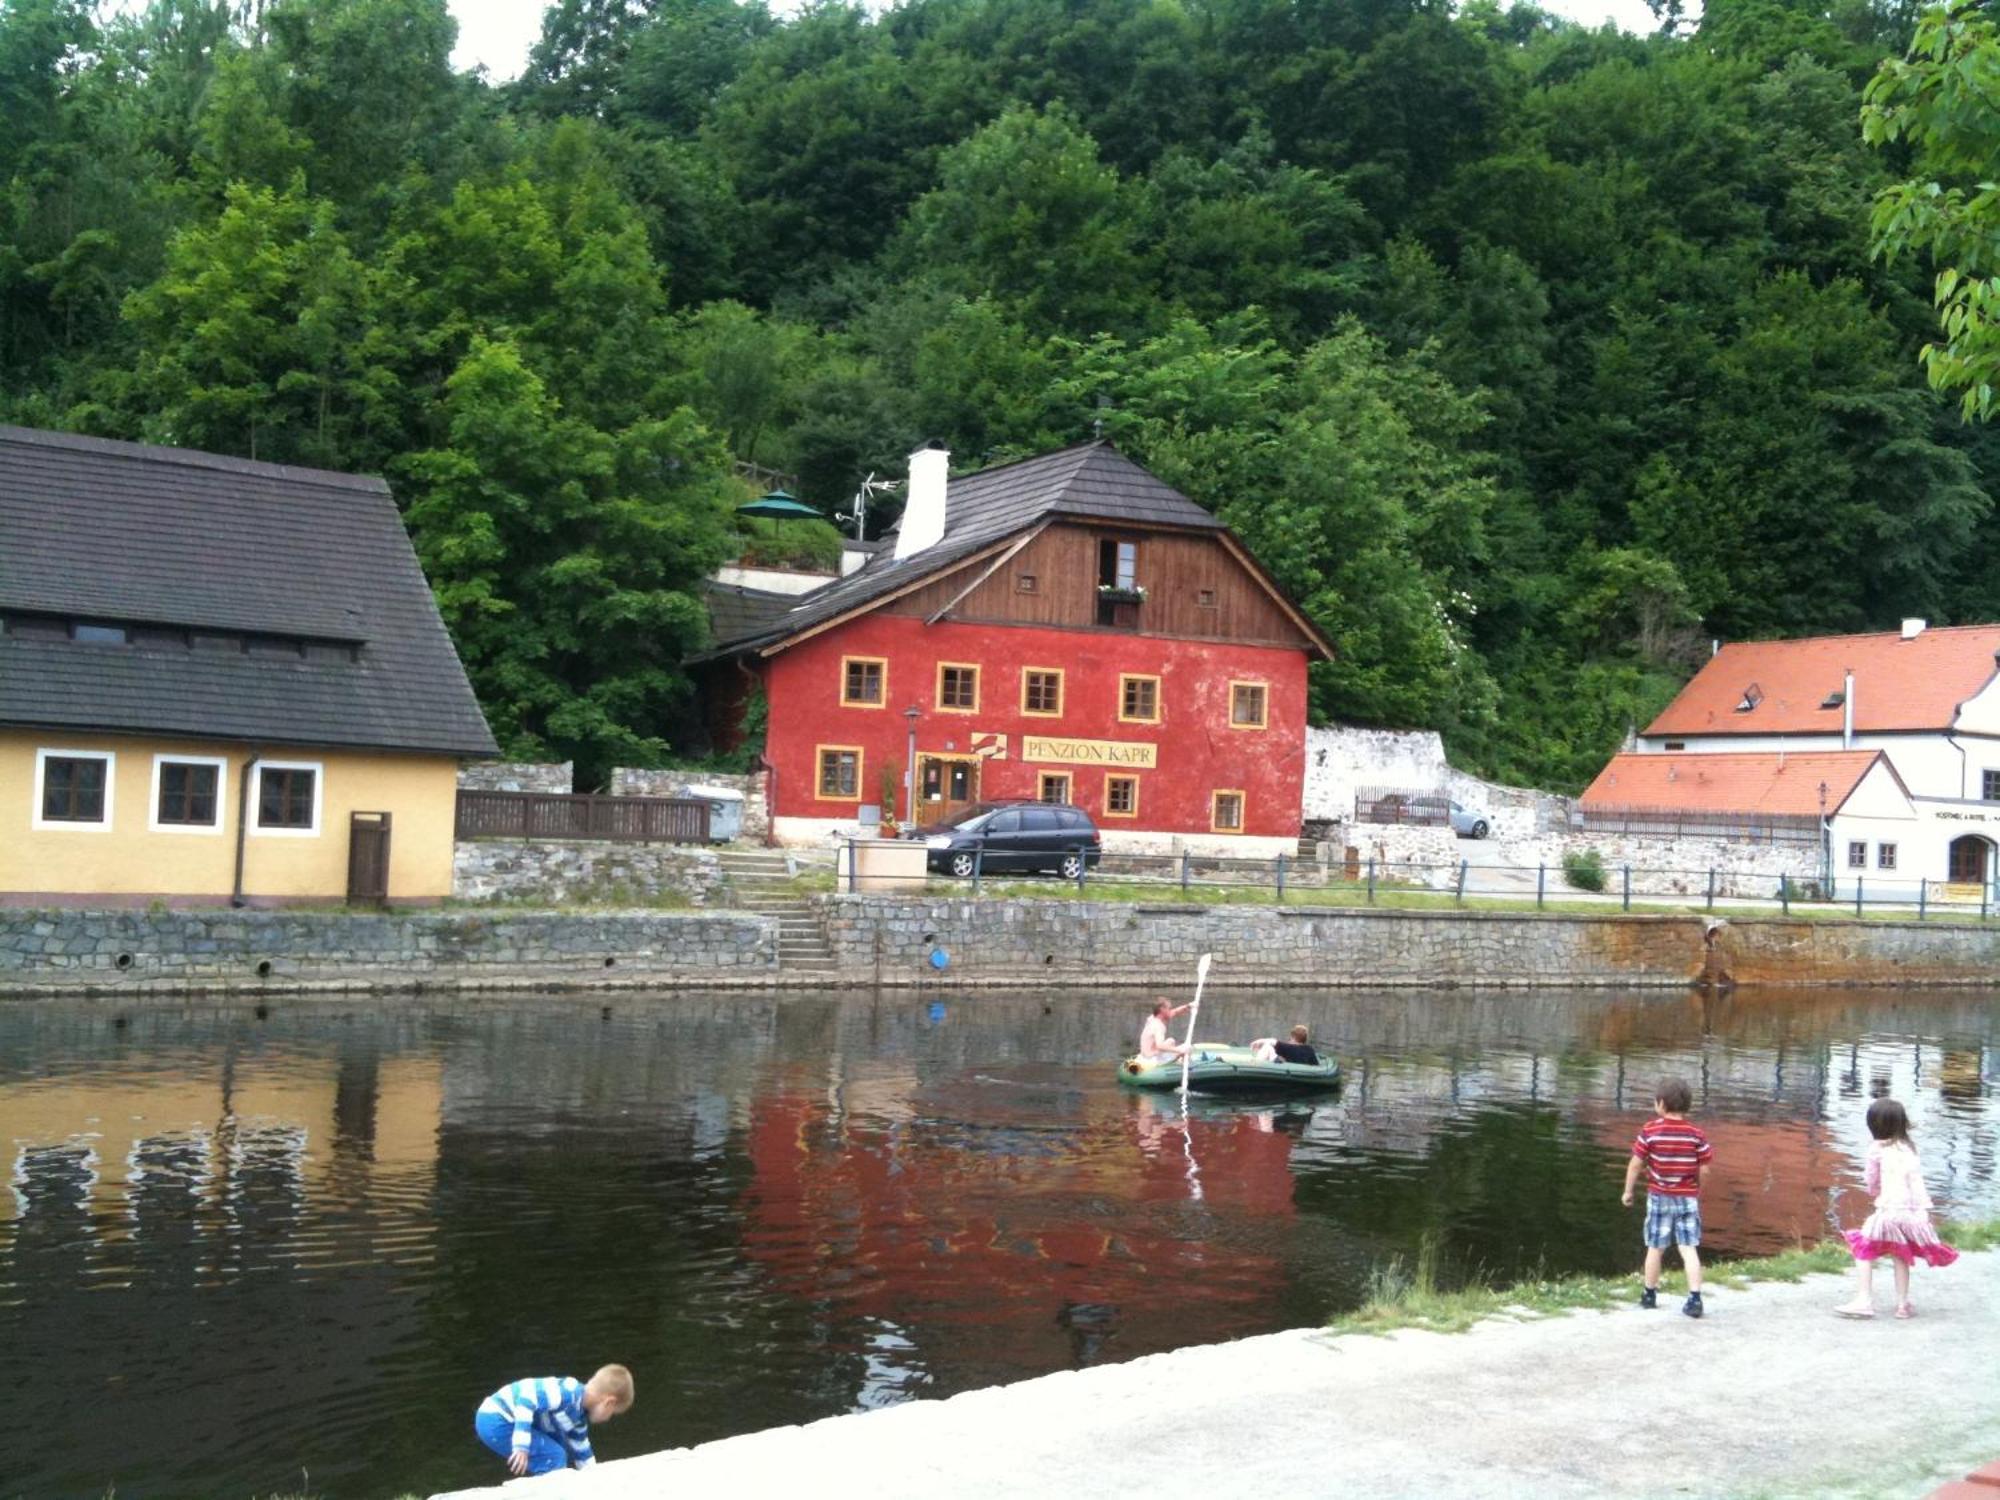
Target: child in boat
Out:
[541,1425]
[1154,1043]
[1900,1227]
[1298,1050]
[1676,1156]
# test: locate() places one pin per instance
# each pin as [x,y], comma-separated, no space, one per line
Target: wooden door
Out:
[368,859]
[946,786]
[1968,860]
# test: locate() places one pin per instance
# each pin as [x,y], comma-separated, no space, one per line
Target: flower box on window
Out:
[1112,594]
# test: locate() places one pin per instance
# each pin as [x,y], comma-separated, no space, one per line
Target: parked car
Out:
[1468,824]
[1009,837]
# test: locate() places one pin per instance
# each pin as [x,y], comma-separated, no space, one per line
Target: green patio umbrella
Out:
[778,506]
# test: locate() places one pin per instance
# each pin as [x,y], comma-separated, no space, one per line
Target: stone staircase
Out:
[760,881]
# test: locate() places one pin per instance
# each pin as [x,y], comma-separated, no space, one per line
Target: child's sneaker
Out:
[1650,1297]
[1692,1307]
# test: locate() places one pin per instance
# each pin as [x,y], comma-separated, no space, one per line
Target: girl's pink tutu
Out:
[1907,1236]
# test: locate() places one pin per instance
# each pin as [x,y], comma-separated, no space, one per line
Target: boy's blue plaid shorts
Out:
[1672,1221]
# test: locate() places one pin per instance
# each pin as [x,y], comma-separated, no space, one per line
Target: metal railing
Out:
[1400,805]
[1288,880]
[581,815]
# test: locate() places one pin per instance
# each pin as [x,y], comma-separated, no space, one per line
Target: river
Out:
[257,1249]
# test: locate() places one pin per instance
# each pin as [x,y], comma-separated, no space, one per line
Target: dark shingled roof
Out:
[1093,480]
[129,534]
[734,610]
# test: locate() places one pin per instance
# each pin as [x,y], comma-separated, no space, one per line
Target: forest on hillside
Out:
[1529,357]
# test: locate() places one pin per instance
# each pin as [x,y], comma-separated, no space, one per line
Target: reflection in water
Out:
[254,1244]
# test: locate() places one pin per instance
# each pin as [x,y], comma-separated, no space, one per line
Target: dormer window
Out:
[1752,696]
[1834,699]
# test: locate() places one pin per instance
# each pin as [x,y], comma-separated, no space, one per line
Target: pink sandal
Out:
[1904,1310]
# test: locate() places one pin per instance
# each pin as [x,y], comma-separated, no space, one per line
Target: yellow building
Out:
[219,681]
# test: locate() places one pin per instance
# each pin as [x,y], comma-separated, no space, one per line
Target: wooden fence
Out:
[582,815]
[1679,823]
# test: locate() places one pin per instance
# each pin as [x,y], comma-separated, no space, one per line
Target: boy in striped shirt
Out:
[543,1424]
[1676,1156]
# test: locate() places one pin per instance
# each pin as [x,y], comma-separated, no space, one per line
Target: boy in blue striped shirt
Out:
[543,1424]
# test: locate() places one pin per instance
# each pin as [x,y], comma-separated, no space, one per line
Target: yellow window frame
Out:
[820,753]
[1109,810]
[1158,698]
[1263,719]
[978,686]
[1215,823]
[1062,689]
[1068,780]
[881,662]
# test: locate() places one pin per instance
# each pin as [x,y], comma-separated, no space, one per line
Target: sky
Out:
[498,33]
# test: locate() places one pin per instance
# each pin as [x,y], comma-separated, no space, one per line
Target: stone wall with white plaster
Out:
[602,872]
[1341,759]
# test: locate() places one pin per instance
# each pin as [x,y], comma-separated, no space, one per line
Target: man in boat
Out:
[1297,1050]
[1154,1043]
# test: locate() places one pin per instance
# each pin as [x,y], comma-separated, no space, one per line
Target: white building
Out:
[1927,700]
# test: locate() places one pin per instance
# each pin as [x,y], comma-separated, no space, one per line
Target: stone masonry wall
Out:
[516,776]
[629,782]
[555,871]
[1340,759]
[1075,942]
[221,949]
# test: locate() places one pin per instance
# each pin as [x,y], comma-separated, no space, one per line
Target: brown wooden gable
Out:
[1197,585]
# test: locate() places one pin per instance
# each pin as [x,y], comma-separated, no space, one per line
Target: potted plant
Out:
[1111,593]
[890,828]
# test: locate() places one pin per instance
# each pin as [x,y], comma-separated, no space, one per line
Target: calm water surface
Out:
[244,1245]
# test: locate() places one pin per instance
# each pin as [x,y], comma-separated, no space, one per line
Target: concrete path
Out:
[1770,1395]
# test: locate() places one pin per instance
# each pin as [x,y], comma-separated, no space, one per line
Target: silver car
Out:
[1468,824]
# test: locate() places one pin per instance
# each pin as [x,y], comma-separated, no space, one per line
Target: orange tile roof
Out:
[1898,684]
[1731,781]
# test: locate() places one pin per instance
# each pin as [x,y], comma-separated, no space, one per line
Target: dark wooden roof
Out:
[141,536]
[734,610]
[1092,481]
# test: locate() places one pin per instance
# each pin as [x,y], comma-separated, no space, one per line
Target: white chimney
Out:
[1912,628]
[923,501]
[1847,712]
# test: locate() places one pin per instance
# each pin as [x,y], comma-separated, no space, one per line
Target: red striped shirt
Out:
[1673,1151]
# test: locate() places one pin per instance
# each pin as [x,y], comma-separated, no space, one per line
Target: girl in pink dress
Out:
[1900,1227]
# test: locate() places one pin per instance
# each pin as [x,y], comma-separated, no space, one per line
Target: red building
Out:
[1066,628]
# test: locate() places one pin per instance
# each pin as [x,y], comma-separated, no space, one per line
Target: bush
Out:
[1584,869]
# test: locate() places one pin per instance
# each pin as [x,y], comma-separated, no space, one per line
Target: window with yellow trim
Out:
[1249,705]
[1226,812]
[839,772]
[864,681]
[958,687]
[1054,787]
[1139,699]
[1041,692]
[1121,796]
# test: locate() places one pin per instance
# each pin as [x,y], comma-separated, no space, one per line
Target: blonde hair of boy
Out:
[615,1382]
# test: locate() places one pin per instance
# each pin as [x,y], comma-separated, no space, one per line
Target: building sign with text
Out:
[1136,754]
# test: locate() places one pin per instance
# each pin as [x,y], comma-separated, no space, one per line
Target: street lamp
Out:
[912,714]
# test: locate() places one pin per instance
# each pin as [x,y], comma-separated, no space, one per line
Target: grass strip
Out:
[1402,1294]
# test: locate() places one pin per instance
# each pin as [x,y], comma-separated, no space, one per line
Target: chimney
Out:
[1912,628]
[1847,711]
[923,501]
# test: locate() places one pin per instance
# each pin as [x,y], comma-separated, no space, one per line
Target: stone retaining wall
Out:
[552,872]
[190,950]
[516,776]
[1107,943]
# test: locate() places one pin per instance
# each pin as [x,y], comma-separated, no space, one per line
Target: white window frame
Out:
[43,755]
[160,762]
[257,828]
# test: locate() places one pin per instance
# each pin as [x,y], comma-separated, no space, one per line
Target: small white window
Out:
[285,802]
[1885,856]
[73,790]
[189,793]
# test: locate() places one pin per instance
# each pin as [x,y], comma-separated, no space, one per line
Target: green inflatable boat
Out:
[1225,1068]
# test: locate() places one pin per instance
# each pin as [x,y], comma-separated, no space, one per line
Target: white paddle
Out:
[1194,1015]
